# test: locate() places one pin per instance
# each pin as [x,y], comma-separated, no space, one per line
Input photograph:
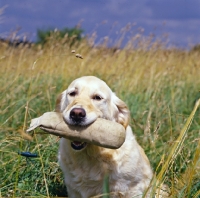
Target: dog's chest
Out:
[87,175]
[87,168]
[87,178]
[87,171]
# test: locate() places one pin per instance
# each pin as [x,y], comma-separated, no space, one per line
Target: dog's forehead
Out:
[90,82]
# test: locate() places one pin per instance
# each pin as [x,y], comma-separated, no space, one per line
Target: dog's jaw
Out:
[78,146]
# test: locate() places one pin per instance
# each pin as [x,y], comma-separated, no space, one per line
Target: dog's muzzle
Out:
[78,115]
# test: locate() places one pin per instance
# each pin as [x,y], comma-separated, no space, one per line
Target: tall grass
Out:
[159,85]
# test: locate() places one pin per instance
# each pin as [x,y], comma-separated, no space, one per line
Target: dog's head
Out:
[88,98]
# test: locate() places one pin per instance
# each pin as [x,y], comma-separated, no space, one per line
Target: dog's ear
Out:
[123,114]
[61,102]
[58,102]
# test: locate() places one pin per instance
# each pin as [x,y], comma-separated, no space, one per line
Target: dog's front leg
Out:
[73,193]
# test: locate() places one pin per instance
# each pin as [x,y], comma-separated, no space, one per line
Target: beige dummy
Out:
[102,132]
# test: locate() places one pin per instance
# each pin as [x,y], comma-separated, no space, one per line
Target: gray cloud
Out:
[181,17]
[176,10]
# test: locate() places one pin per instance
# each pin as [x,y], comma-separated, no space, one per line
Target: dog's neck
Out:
[94,153]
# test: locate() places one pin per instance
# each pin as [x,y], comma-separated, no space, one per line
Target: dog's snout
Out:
[77,114]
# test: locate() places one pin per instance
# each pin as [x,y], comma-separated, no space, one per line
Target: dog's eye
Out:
[73,93]
[97,97]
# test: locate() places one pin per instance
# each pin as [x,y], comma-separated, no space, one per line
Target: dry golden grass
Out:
[159,85]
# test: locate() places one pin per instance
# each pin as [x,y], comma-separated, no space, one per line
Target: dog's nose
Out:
[77,114]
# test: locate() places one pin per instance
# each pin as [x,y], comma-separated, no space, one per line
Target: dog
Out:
[84,165]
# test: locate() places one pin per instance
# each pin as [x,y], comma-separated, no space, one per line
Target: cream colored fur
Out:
[127,168]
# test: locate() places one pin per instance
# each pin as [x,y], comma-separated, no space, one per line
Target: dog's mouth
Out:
[76,145]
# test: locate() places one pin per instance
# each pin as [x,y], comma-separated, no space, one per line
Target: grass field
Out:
[159,85]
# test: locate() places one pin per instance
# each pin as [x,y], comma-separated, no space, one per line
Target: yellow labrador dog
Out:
[85,165]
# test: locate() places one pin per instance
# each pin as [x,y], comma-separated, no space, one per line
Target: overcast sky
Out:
[180,19]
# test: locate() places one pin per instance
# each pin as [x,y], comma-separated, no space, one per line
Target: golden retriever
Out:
[85,165]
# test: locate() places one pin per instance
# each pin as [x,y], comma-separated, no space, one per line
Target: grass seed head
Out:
[79,56]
